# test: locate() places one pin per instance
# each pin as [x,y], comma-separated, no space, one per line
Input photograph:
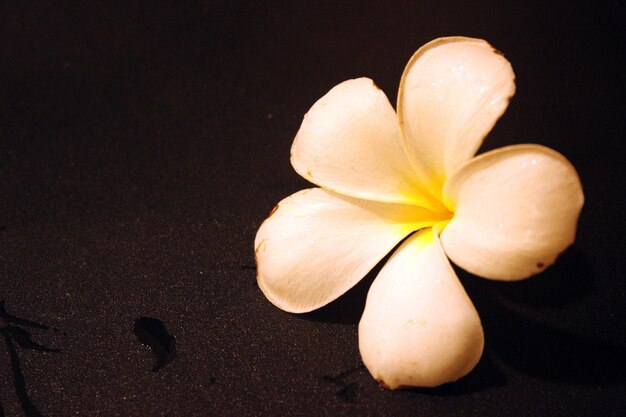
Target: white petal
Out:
[350,142]
[452,92]
[317,244]
[419,327]
[515,211]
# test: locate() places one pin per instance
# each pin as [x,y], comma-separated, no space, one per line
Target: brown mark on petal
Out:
[376,86]
[383,384]
[497,51]
[309,173]
[273,210]
[540,264]
[256,250]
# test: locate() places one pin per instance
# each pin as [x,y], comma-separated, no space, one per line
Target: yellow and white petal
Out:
[349,142]
[317,244]
[419,327]
[452,92]
[515,210]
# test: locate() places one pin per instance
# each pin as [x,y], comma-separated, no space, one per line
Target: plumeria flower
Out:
[412,178]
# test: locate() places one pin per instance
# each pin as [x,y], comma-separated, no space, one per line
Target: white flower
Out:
[504,215]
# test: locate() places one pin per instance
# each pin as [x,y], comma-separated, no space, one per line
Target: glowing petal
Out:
[419,327]
[317,244]
[516,210]
[452,92]
[350,142]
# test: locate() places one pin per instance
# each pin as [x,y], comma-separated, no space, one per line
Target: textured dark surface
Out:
[142,144]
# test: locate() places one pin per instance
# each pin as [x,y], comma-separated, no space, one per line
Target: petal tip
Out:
[452,92]
[419,327]
[535,199]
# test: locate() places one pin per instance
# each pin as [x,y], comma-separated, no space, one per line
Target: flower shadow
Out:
[557,355]
[534,348]
[485,375]
[538,349]
[567,281]
[348,308]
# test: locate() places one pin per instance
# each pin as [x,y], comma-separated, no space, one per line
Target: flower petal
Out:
[516,210]
[317,244]
[349,142]
[419,327]
[452,92]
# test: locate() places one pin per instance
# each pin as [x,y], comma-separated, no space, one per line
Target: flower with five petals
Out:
[504,215]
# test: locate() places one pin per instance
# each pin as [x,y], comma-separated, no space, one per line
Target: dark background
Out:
[142,144]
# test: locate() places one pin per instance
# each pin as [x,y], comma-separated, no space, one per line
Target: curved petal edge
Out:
[516,210]
[452,92]
[419,327]
[349,142]
[317,244]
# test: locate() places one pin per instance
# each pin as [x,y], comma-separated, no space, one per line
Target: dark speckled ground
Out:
[142,144]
